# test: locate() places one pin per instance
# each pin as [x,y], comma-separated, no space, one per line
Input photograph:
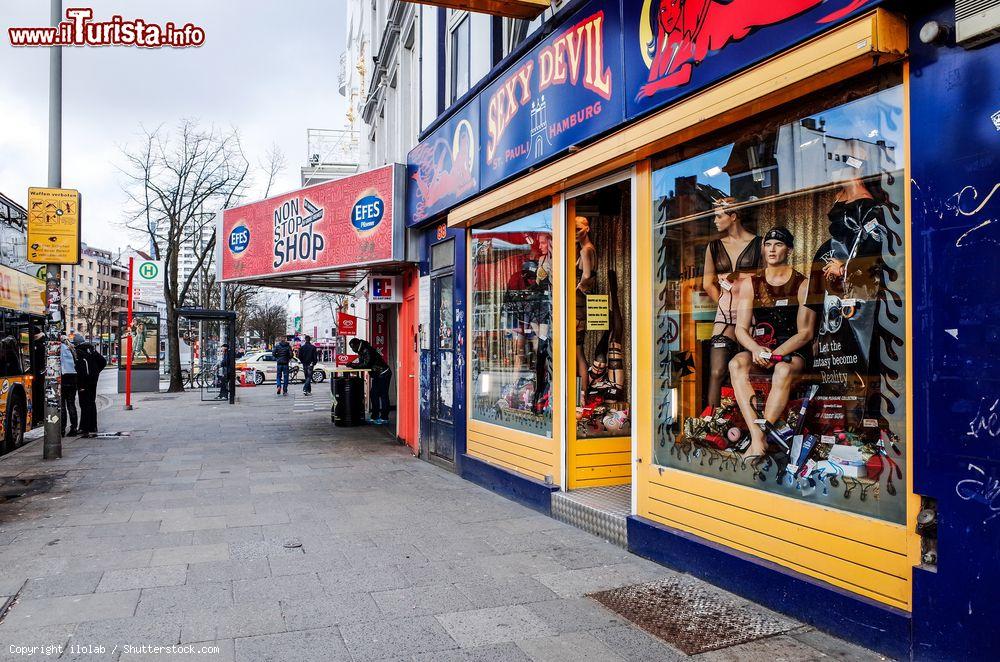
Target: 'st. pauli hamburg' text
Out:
[79,29]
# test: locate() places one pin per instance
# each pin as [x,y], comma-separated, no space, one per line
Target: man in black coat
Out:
[89,363]
[307,357]
[282,353]
[379,377]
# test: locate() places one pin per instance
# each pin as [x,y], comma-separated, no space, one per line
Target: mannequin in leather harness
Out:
[782,324]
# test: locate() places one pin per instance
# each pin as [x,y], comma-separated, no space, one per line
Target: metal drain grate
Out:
[691,617]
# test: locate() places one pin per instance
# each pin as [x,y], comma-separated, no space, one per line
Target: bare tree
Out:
[177,182]
[98,311]
[268,321]
[273,165]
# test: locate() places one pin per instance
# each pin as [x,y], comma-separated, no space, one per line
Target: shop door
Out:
[407,407]
[441,436]
[599,342]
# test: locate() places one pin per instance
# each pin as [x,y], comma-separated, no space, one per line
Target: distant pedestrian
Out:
[379,378]
[89,364]
[222,372]
[307,357]
[67,359]
[282,353]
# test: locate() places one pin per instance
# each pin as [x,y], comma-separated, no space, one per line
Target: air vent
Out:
[977,22]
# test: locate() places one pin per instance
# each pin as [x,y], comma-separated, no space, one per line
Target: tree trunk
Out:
[174,349]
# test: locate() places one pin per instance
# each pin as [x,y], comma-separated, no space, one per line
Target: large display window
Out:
[779,304]
[511,323]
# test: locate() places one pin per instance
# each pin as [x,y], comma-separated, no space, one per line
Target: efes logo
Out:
[367,213]
[239,239]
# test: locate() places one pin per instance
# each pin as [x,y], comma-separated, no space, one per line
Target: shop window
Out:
[779,305]
[602,220]
[460,49]
[511,325]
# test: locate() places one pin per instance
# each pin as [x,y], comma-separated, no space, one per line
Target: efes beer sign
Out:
[563,92]
[347,222]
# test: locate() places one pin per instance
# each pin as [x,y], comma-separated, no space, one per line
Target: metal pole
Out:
[128,343]
[52,445]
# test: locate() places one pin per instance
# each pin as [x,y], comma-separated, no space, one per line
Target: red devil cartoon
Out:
[686,31]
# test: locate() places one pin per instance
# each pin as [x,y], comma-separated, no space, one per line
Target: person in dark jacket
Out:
[222,372]
[89,364]
[379,377]
[282,353]
[307,357]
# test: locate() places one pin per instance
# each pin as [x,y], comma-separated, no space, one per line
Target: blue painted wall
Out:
[955,148]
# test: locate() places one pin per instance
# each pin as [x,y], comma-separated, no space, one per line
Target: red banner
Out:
[347,222]
[347,325]
[380,332]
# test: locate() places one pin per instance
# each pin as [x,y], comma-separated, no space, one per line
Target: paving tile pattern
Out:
[270,535]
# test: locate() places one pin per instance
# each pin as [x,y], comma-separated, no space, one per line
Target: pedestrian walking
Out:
[307,357]
[222,373]
[89,364]
[67,359]
[282,353]
[379,378]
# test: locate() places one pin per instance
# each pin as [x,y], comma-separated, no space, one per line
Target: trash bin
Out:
[348,408]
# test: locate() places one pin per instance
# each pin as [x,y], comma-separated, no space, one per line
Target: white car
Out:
[266,368]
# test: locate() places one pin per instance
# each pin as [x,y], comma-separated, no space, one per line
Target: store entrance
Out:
[599,344]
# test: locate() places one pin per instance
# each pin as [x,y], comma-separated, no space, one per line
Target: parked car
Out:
[266,368]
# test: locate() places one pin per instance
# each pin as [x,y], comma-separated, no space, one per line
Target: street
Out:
[263,530]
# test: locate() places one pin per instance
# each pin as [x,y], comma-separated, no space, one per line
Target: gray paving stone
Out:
[319,644]
[361,579]
[506,652]
[129,578]
[635,645]
[570,647]
[327,610]
[500,592]
[61,584]
[192,524]
[574,583]
[190,554]
[575,614]
[372,640]
[165,600]
[231,622]
[138,630]
[218,571]
[273,589]
[421,600]
[493,625]
[40,612]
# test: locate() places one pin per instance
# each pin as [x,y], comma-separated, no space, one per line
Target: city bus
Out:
[22,371]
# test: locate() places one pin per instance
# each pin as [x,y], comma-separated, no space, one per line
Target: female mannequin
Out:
[586,283]
[729,260]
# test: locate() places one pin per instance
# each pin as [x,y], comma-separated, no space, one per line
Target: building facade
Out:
[716,260]
[95,291]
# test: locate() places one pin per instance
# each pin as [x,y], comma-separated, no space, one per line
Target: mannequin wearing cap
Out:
[729,261]
[771,318]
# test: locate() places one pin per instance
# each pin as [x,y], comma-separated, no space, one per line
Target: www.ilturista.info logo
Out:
[79,29]
[296,238]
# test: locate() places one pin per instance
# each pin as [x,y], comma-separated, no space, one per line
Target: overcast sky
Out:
[268,68]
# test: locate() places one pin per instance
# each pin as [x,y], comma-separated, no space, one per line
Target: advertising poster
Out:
[443,170]
[145,333]
[341,223]
[675,48]
[564,91]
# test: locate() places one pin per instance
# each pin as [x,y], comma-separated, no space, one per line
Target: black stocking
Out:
[719,365]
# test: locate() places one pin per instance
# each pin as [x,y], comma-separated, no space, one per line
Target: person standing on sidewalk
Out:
[67,358]
[222,372]
[380,375]
[89,363]
[282,353]
[307,357]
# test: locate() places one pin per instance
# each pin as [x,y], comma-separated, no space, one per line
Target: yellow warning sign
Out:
[597,312]
[53,226]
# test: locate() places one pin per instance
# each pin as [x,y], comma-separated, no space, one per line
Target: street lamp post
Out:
[52,446]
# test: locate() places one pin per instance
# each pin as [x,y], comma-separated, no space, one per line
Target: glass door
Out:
[442,437]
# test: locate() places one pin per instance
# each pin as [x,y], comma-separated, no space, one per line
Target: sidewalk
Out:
[275,536]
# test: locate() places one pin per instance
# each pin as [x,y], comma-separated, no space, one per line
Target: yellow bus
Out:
[22,371]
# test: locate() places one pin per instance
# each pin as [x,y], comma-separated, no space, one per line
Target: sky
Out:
[267,68]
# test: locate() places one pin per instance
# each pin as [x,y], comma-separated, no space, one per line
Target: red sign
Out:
[347,325]
[380,332]
[344,359]
[347,222]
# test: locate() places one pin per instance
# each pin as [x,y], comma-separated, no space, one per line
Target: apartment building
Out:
[94,292]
